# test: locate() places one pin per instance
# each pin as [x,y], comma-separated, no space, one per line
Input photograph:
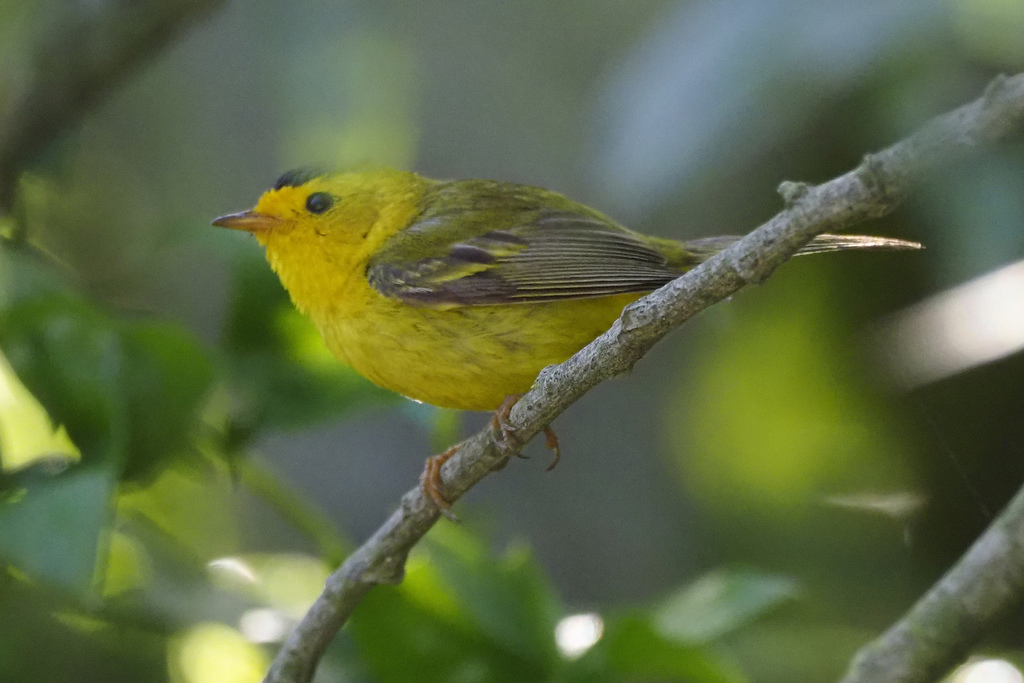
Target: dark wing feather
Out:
[479,242]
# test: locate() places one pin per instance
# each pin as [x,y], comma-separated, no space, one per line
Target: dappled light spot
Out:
[264,625]
[232,568]
[577,633]
[987,671]
[290,582]
[898,505]
[215,653]
[128,567]
[285,582]
[976,323]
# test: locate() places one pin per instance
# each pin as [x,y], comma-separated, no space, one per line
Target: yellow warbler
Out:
[458,292]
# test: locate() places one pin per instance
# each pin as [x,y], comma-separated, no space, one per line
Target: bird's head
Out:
[318,227]
[311,204]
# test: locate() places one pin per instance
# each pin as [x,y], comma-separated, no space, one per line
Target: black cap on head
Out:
[298,176]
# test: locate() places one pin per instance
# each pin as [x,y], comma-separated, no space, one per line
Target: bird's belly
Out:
[469,358]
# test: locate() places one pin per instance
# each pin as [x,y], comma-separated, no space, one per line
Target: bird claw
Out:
[431,482]
[507,433]
[551,443]
[499,421]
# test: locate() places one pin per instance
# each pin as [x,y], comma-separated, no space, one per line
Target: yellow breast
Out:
[469,358]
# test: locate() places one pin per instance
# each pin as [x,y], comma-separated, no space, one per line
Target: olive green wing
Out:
[480,242]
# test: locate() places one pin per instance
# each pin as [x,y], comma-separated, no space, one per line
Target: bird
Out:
[457,293]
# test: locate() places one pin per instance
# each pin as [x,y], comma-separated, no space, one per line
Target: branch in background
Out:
[874,189]
[92,49]
[938,632]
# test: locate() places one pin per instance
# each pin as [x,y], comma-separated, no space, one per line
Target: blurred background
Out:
[183,462]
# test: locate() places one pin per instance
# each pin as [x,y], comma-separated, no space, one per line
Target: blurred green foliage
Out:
[462,615]
[780,412]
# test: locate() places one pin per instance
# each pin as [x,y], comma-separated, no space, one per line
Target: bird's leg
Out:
[499,421]
[430,480]
[500,425]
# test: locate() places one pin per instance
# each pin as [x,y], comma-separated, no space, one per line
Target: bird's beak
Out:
[249,221]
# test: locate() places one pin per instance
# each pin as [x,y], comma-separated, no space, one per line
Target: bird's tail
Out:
[705,248]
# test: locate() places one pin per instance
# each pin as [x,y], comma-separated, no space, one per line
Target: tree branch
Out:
[940,629]
[873,189]
[93,48]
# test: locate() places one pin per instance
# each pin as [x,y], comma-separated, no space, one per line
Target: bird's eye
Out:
[318,202]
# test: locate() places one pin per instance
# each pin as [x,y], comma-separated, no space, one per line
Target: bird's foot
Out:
[500,425]
[507,433]
[500,420]
[431,482]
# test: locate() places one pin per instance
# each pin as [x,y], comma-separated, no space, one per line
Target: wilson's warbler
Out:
[457,293]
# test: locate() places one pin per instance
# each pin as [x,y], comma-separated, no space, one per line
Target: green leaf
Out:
[54,529]
[400,640]
[192,508]
[633,649]
[70,358]
[128,395]
[256,296]
[718,603]
[167,375]
[129,392]
[508,599]
[461,615]
[27,435]
[26,273]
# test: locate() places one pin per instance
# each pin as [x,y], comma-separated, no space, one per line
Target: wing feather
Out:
[478,242]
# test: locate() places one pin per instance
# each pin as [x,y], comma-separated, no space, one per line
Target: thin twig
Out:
[90,49]
[873,189]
